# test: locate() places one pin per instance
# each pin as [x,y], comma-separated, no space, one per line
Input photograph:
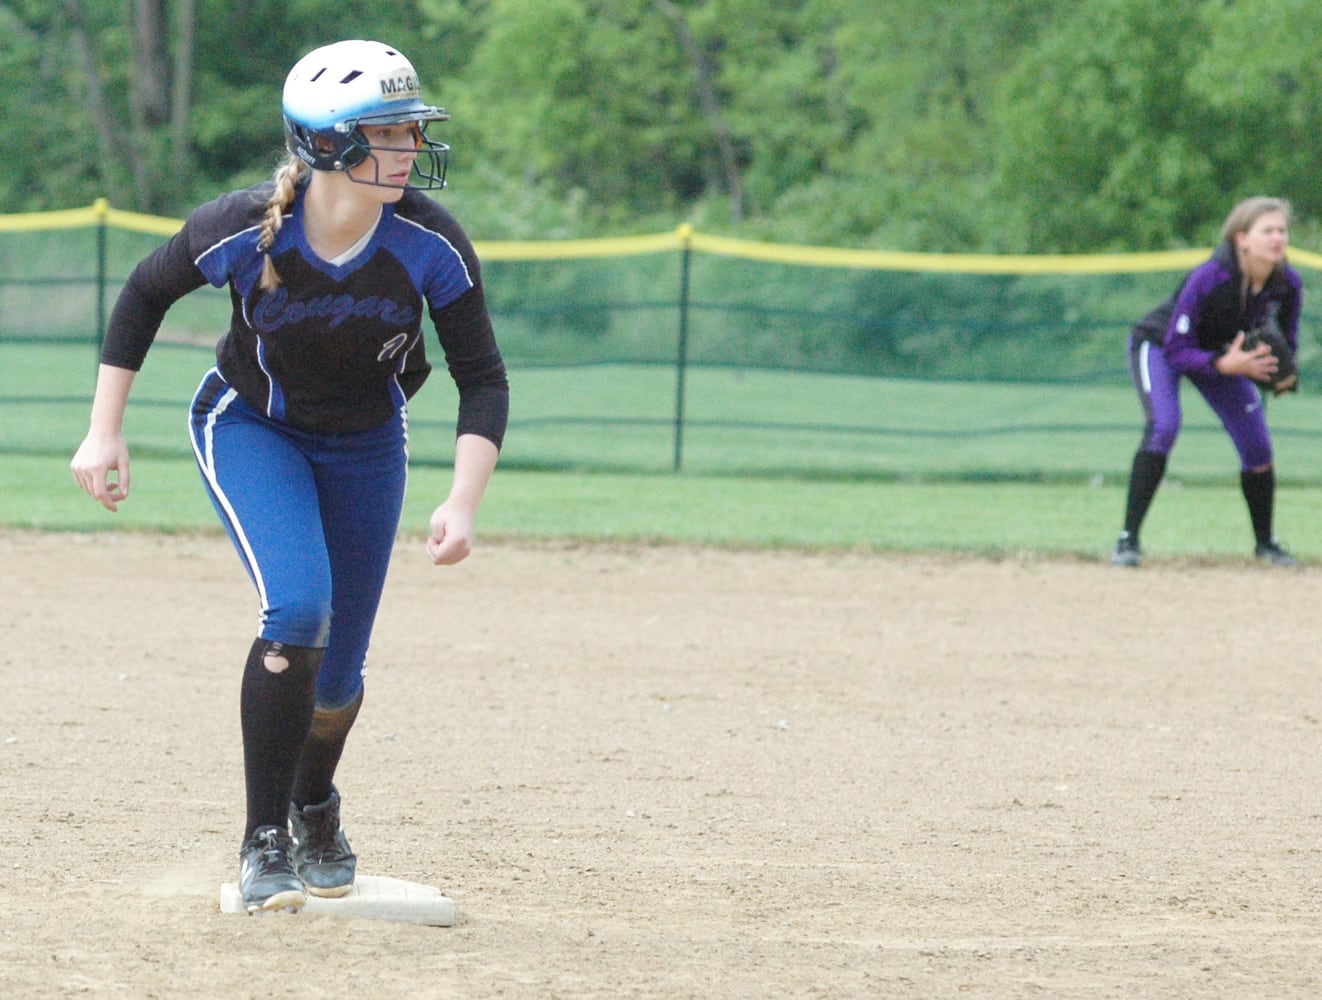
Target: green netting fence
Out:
[683,351]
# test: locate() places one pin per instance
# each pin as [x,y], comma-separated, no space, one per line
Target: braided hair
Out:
[287,177]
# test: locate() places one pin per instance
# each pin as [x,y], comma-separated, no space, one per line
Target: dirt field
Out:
[669,772]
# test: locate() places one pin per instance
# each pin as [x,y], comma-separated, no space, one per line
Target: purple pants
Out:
[1235,400]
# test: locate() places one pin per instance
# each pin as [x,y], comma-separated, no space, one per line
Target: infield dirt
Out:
[679,772]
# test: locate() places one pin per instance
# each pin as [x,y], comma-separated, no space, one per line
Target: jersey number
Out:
[393,346]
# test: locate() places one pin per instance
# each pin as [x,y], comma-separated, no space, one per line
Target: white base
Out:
[375,897]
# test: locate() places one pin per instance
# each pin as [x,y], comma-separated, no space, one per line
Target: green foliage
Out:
[1134,125]
[592,98]
[1102,145]
[915,85]
[985,125]
[1268,94]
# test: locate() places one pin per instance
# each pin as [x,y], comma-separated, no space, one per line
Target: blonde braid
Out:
[286,179]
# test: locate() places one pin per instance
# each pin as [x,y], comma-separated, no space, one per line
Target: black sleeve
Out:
[161,278]
[475,364]
[1291,310]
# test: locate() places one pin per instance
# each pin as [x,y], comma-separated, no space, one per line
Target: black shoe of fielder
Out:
[1273,553]
[1126,551]
[322,854]
[267,878]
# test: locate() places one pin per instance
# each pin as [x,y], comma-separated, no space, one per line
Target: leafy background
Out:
[962,125]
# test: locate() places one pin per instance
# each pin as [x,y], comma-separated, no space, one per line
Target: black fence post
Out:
[685,233]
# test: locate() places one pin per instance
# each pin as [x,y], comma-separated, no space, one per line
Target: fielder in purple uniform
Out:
[301,429]
[1198,334]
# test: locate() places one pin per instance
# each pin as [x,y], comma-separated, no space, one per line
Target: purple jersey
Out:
[1215,304]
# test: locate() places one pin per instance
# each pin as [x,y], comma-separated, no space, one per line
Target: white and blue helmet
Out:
[335,90]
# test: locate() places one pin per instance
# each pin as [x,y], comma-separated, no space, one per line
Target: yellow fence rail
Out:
[683,305]
[684,237]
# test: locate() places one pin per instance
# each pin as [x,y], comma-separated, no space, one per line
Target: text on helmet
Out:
[399,86]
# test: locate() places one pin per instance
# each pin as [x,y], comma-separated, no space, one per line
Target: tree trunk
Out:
[149,103]
[151,78]
[109,134]
[181,106]
[711,107]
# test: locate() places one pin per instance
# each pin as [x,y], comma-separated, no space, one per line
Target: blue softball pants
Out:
[1235,400]
[314,519]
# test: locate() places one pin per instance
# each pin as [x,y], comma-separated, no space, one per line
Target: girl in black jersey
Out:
[300,430]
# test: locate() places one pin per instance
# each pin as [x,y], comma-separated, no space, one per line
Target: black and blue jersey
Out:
[336,348]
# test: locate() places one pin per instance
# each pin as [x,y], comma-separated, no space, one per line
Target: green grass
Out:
[992,519]
[737,421]
[771,458]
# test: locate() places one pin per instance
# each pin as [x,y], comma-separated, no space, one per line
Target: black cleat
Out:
[1126,551]
[322,854]
[1272,553]
[267,878]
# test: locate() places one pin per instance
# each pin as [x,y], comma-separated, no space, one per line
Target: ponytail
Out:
[287,176]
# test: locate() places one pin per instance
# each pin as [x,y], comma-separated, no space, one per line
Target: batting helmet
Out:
[333,91]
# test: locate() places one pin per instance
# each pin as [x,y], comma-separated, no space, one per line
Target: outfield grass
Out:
[744,421]
[1068,519]
[769,459]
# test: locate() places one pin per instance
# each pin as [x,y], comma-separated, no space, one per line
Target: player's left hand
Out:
[451,538]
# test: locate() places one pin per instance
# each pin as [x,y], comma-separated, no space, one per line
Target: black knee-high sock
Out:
[1260,494]
[275,708]
[1149,467]
[321,752]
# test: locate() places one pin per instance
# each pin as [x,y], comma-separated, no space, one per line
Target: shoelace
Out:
[273,857]
[321,829]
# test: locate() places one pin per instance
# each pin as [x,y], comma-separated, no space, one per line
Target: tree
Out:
[150,105]
[984,125]
[83,39]
[704,88]
[1268,94]
[873,124]
[1102,142]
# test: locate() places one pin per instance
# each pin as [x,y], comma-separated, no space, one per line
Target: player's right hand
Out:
[1257,363]
[97,457]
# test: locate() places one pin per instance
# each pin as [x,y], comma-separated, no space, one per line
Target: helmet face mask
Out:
[335,91]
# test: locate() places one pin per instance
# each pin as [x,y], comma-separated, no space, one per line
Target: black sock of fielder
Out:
[321,752]
[1149,467]
[275,708]
[1260,494]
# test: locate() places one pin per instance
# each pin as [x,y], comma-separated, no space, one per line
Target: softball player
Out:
[300,430]
[1198,334]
